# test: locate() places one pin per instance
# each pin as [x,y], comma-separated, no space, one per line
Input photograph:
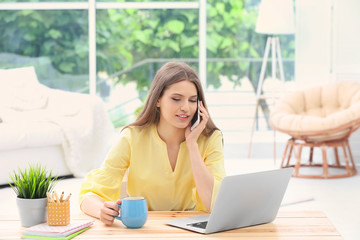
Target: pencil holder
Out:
[58,213]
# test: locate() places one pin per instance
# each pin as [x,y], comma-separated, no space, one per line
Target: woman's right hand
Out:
[108,212]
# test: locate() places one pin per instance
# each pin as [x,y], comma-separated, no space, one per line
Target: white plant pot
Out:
[32,211]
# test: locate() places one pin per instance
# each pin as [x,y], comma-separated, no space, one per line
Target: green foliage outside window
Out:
[125,37]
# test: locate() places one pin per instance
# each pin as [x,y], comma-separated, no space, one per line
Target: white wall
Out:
[347,40]
[313,38]
[327,40]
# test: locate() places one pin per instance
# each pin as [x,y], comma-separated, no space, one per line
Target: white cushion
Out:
[18,77]
[20,89]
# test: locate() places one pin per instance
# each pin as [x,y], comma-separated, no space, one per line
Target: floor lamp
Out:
[275,17]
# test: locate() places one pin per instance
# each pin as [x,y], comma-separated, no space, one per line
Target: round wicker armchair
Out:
[319,117]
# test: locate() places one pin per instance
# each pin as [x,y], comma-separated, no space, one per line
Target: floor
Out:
[339,199]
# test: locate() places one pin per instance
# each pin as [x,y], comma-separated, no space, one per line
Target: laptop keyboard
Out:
[199,224]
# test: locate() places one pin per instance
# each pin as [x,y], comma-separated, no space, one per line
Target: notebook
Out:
[242,201]
[34,237]
[45,230]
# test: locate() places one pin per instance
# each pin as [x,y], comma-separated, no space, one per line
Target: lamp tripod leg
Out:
[263,68]
[279,58]
[258,91]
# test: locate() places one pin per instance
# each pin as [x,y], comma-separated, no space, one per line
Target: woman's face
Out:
[178,104]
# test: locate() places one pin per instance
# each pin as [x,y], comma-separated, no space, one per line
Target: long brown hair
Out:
[168,74]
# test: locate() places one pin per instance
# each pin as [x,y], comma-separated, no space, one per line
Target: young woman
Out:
[173,167]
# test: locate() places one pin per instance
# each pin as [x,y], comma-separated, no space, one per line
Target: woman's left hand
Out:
[192,136]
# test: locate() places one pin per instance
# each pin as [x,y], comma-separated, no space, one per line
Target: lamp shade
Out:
[276,17]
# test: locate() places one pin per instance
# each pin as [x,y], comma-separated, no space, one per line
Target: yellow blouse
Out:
[150,172]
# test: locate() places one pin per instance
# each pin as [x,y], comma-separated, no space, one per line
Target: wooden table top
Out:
[290,225]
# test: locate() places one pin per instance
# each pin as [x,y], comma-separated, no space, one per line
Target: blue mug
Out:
[133,212]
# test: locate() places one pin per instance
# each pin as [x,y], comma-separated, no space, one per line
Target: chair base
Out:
[298,144]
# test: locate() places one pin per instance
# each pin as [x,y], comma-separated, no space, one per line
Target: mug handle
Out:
[119,217]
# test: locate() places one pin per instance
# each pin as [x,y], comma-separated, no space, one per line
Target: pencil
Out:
[48,196]
[57,197]
[51,199]
[61,196]
[68,197]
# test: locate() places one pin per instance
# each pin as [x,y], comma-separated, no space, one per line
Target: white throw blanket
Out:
[86,127]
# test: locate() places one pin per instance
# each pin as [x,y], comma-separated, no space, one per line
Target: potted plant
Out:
[31,186]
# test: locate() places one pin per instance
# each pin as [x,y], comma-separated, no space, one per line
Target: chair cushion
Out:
[317,109]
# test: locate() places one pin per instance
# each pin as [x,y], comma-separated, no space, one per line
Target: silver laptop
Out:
[243,200]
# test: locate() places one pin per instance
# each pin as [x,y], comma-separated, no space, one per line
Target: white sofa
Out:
[67,132]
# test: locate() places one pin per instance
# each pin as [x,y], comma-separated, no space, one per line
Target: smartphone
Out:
[196,119]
